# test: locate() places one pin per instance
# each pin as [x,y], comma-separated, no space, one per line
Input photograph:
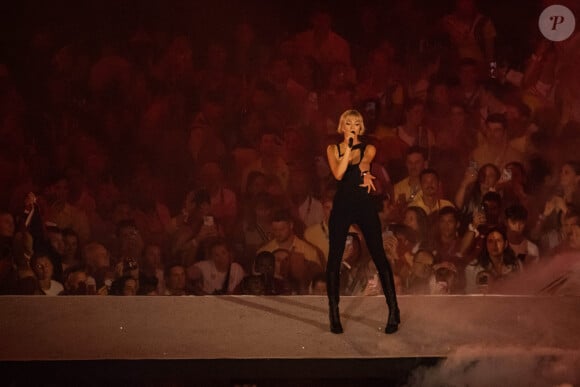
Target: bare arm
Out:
[471,235]
[468,181]
[337,164]
[538,64]
[365,163]
[365,166]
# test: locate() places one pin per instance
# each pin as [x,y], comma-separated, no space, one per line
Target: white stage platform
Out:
[290,334]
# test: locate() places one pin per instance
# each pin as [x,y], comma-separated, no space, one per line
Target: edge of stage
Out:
[232,337]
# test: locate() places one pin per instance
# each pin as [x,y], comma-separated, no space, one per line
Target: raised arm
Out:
[469,179]
[365,168]
[369,156]
[337,164]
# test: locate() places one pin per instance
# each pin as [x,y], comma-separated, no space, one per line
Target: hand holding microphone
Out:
[351,139]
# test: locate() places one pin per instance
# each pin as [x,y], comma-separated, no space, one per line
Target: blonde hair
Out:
[350,113]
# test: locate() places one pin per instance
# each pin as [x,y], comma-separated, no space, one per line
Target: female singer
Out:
[350,162]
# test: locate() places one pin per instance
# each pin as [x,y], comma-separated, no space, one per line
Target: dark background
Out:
[112,20]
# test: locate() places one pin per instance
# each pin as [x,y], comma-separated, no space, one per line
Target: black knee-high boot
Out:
[333,289]
[388,284]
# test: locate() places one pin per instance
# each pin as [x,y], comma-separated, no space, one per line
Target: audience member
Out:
[196,226]
[471,33]
[317,234]
[76,281]
[302,262]
[525,250]
[223,201]
[151,269]
[496,262]
[407,189]
[380,92]
[495,148]
[445,279]
[308,208]
[513,185]
[270,162]
[485,218]
[263,281]
[321,42]
[476,183]
[72,252]
[454,140]
[175,280]
[417,282]
[44,270]
[103,147]
[429,199]
[217,273]
[469,90]
[416,219]
[399,245]
[356,266]
[570,183]
[446,241]
[60,212]
[97,264]
[205,142]
[554,237]
[129,243]
[255,228]
[413,131]
[125,286]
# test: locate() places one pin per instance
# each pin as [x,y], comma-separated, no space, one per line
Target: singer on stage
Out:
[350,162]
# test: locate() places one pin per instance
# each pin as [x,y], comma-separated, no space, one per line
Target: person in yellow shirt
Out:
[429,199]
[407,189]
[302,261]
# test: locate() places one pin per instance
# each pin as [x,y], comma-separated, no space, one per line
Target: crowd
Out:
[130,168]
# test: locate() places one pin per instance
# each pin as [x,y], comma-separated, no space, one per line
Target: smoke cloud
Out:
[482,366]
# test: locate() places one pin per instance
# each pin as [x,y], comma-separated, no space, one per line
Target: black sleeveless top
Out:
[349,187]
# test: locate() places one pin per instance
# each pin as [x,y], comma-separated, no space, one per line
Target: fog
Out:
[559,276]
[528,346]
[502,366]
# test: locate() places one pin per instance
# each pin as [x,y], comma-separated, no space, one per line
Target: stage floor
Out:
[284,333]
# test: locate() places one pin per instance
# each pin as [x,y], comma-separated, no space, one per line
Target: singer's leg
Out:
[371,228]
[338,225]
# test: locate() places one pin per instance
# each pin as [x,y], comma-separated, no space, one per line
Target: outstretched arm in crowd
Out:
[469,179]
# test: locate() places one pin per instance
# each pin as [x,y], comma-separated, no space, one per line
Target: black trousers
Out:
[361,211]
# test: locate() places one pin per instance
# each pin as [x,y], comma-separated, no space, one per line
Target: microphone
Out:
[350,140]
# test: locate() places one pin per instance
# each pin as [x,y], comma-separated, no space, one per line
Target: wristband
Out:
[364,173]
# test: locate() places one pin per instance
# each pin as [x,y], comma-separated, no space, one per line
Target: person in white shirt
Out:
[526,251]
[44,270]
[308,207]
[218,273]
